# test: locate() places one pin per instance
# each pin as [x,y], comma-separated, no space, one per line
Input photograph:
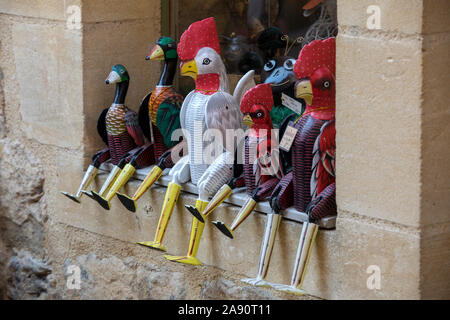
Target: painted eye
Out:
[289,64]
[327,84]
[206,61]
[269,65]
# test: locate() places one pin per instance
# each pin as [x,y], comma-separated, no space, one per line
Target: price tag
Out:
[288,137]
[291,103]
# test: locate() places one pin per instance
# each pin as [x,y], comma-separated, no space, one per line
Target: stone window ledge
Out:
[237,198]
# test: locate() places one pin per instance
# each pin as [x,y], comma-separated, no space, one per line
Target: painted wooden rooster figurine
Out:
[261,169]
[118,126]
[160,110]
[209,106]
[310,186]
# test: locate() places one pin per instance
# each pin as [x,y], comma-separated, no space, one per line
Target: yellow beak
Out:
[303,90]
[157,53]
[189,68]
[247,120]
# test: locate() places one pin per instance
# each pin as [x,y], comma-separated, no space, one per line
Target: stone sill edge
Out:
[237,198]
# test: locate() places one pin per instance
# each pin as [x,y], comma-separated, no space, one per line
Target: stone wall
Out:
[51,91]
[392,128]
[393,168]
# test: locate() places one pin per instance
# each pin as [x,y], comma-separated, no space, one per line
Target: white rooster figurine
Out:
[209,106]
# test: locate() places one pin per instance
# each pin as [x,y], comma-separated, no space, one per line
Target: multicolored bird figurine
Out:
[279,72]
[125,138]
[119,128]
[310,187]
[160,111]
[208,107]
[261,170]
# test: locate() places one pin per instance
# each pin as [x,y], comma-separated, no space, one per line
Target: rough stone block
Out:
[378,116]
[43,9]
[22,181]
[388,248]
[48,64]
[435,262]
[404,16]
[435,166]
[435,16]
[118,10]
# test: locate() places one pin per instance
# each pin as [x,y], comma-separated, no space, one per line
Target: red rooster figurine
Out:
[262,171]
[209,108]
[311,186]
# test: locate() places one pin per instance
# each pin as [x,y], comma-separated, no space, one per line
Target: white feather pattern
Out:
[184,107]
[245,83]
[194,115]
[223,113]
[217,174]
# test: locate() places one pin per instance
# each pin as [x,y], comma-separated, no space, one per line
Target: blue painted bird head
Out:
[118,74]
[279,72]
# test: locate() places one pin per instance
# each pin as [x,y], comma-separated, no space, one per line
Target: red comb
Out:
[261,94]
[200,34]
[317,54]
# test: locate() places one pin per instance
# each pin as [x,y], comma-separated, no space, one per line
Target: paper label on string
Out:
[288,137]
[291,103]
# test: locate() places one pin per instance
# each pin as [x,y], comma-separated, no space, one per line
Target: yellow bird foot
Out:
[101,201]
[128,202]
[71,196]
[154,244]
[224,228]
[184,259]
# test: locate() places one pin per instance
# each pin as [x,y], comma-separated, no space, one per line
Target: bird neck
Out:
[168,73]
[121,92]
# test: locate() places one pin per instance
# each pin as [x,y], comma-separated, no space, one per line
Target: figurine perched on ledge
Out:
[125,139]
[160,112]
[311,186]
[261,169]
[209,106]
[279,77]
[279,72]
[118,126]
